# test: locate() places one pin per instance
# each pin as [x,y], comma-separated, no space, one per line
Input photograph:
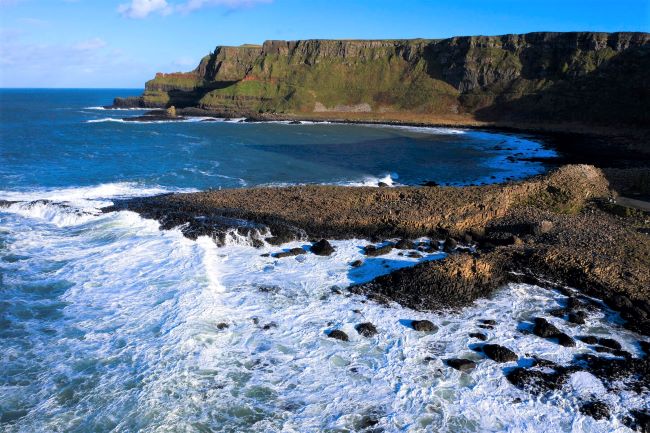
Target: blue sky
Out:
[122,43]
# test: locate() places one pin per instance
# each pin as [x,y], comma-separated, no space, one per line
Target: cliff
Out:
[536,78]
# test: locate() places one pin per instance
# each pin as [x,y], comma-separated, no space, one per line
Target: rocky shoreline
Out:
[562,231]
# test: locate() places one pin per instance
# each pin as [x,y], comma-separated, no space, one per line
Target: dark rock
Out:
[449,245]
[461,364]
[322,248]
[558,312]
[373,251]
[482,326]
[638,421]
[221,326]
[292,252]
[429,183]
[478,335]
[366,329]
[645,346]
[382,184]
[565,340]
[414,255]
[609,342]
[423,326]
[595,409]
[577,317]
[356,263]
[588,339]
[535,381]
[265,255]
[405,244]
[545,329]
[270,325]
[338,335]
[499,353]
[488,321]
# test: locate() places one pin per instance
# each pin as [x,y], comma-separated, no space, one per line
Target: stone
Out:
[356,263]
[449,245]
[545,329]
[322,248]
[478,336]
[461,364]
[292,252]
[171,111]
[595,409]
[366,329]
[373,251]
[424,326]
[223,325]
[565,340]
[588,339]
[338,335]
[610,342]
[577,317]
[499,353]
[405,244]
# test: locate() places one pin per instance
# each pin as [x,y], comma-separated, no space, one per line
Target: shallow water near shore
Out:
[109,324]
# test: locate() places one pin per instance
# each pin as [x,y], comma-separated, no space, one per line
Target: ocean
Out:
[109,324]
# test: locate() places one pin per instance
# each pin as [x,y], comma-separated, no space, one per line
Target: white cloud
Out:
[143,8]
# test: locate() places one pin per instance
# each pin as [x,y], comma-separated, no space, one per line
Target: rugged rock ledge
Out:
[575,81]
[556,227]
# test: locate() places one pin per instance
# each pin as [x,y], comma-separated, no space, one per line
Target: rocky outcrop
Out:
[568,78]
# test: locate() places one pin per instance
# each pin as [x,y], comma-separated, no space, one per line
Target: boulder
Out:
[595,409]
[461,364]
[373,251]
[366,329]
[478,336]
[499,353]
[356,263]
[609,342]
[449,245]
[322,248]
[577,317]
[424,326]
[405,244]
[545,329]
[338,335]
[292,252]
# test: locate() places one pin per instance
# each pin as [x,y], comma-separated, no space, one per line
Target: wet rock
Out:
[499,353]
[449,245]
[414,255]
[565,340]
[366,329]
[322,248]
[558,312]
[610,342]
[382,184]
[482,326]
[356,263]
[577,317]
[424,326]
[638,420]
[338,335]
[488,321]
[461,364]
[634,372]
[645,346]
[545,329]
[478,335]
[292,252]
[535,381]
[221,326]
[405,244]
[588,339]
[269,325]
[373,251]
[595,409]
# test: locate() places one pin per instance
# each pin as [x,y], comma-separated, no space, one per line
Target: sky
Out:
[123,43]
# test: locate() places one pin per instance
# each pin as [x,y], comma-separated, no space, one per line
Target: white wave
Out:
[105,119]
[117,109]
[157,331]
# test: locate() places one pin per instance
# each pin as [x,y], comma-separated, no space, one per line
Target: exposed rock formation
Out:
[533,78]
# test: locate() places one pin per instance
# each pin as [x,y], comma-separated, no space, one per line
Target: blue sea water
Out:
[108,324]
[58,138]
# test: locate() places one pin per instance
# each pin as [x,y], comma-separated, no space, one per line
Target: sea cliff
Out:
[577,79]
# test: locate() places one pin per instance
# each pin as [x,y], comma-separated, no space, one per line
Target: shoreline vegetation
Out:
[584,224]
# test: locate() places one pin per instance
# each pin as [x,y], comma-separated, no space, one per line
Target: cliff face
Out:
[588,78]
